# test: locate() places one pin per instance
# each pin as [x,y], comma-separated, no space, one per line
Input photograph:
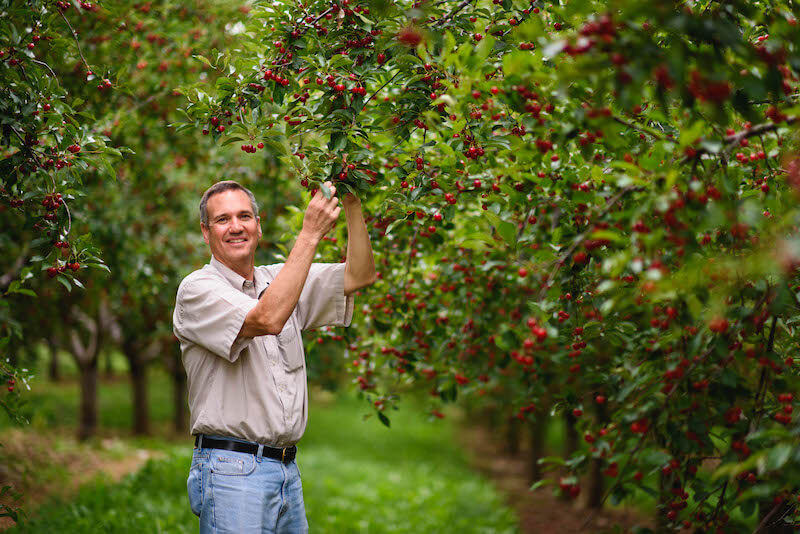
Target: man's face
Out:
[233,229]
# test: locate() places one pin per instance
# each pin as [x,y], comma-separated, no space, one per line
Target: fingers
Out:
[331,188]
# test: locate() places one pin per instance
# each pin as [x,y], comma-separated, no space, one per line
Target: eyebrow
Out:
[243,212]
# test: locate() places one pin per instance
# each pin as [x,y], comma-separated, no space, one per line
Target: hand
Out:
[349,199]
[321,214]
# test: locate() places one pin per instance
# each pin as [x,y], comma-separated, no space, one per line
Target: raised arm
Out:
[279,300]
[359,270]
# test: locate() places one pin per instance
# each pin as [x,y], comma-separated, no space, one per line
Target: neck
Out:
[246,269]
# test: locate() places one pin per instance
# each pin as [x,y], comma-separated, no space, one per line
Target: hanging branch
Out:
[581,238]
[75,36]
[458,8]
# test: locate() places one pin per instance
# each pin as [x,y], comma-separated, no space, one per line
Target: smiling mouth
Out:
[236,241]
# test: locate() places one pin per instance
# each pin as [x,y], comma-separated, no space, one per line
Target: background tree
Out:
[576,204]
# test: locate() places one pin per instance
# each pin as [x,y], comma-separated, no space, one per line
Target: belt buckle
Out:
[283,455]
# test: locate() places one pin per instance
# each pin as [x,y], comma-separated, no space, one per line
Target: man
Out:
[239,329]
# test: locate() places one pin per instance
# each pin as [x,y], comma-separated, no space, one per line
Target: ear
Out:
[258,220]
[206,230]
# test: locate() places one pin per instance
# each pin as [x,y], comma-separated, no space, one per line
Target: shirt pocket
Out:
[287,335]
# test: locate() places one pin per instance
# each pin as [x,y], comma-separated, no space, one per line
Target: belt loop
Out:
[200,441]
[260,452]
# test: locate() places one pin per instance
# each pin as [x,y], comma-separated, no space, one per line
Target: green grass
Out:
[358,476]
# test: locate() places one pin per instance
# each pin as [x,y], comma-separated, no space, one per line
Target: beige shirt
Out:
[251,388]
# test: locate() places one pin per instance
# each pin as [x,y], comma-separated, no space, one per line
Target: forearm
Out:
[359,268]
[279,300]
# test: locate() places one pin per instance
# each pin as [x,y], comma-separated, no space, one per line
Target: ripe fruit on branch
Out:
[410,36]
[718,325]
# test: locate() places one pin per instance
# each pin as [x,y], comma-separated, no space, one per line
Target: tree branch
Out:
[381,88]
[74,36]
[582,237]
[455,10]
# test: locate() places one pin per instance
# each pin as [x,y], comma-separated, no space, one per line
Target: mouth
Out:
[236,241]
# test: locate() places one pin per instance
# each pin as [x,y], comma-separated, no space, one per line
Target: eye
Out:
[246,217]
[222,220]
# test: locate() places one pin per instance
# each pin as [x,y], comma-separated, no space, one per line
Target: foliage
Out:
[586,207]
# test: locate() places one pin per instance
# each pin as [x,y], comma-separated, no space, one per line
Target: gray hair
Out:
[219,187]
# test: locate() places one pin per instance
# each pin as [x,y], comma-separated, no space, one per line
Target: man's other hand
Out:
[321,214]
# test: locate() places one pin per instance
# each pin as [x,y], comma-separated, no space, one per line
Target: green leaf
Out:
[203,59]
[385,420]
[539,483]
[508,232]
[64,281]
[778,456]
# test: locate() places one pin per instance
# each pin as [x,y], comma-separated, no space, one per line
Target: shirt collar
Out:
[238,281]
[235,279]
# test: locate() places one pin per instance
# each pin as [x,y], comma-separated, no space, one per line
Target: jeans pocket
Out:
[233,463]
[194,485]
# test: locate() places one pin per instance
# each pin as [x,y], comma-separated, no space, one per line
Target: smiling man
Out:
[239,328]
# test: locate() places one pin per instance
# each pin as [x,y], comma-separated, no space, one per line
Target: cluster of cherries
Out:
[250,149]
[52,201]
[784,415]
[52,272]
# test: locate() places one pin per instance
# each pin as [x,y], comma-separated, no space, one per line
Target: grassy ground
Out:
[358,476]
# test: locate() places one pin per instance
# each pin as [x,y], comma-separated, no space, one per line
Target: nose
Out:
[236,225]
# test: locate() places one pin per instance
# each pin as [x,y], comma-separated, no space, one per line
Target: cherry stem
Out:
[69,216]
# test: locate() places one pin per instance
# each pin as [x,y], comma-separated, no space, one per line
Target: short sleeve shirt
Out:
[251,388]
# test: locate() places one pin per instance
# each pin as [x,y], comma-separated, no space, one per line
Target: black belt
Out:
[285,454]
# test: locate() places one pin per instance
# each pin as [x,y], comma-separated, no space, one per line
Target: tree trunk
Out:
[596,489]
[570,434]
[88,411]
[179,418]
[53,369]
[775,523]
[538,430]
[512,435]
[109,366]
[141,408]
[86,353]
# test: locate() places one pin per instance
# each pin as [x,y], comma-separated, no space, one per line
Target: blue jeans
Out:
[239,493]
